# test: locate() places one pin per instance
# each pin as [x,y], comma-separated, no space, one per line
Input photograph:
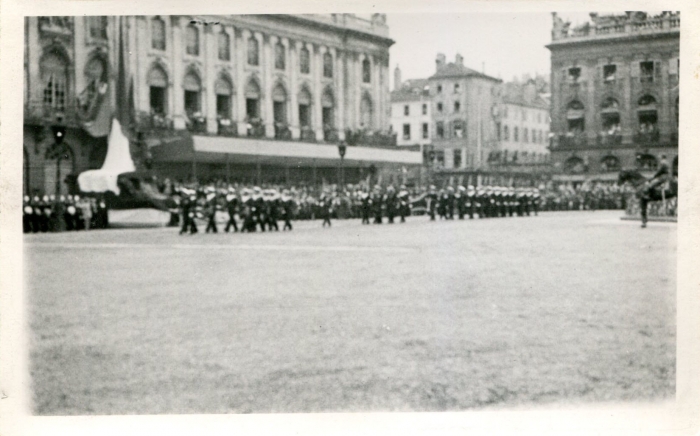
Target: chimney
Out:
[459,60]
[439,61]
[397,78]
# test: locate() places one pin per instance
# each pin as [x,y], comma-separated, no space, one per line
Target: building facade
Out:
[235,87]
[411,112]
[464,108]
[614,94]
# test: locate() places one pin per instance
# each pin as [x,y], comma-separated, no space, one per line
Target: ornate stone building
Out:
[251,97]
[614,94]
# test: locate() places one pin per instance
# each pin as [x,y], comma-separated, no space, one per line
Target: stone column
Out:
[358,89]
[176,97]
[376,94]
[266,65]
[236,95]
[36,88]
[339,78]
[293,69]
[80,55]
[240,78]
[210,56]
[316,65]
[141,65]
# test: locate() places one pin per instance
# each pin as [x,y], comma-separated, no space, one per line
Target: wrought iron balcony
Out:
[646,138]
[226,127]
[256,129]
[606,139]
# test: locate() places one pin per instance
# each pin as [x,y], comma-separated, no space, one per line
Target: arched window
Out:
[193,94]
[304,61]
[158,87]
[304,101]
[54,78]
[574,165]
[98,27]
[575,117]
[647,116]
[610,116]
[223,90]
[192,34]
[252,100]
[158,33]
[506,133]
[366,71]
[280,57]
[647,162]
[327,105]
[253,51]
[279,104]
[366,112]
[327,65]
[610,163]
[224,46]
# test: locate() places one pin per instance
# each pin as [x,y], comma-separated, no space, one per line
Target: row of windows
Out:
[457,106]
[158,42]
[533,136]
[425,131]
[455,88]
[495,156]
[645,71]
[407,110]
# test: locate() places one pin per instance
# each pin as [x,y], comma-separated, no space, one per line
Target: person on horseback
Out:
[662,175]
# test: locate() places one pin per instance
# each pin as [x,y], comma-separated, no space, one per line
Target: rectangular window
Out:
[157,100]
[458,129]
[366,71]
[223,106]
[457,158]
[425,109]
[253,51]
[440,129]
[406,110]
[192,40]
[304,117]
[304,61]
[280,63]
[646,72]
[525,133]
[426,133]
[457,106]
[98,27]
[574,74]
[406,131]
[439,89]
[328,65]
[191,102]
[498,131]
[456,88]
[439,107]
[609,72]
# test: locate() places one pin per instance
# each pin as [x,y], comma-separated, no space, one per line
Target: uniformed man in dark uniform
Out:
[273,205]
[391,203]
[404,203]
[326,204]
[210,206]
[471,201]
[535,201]
[377,204]
[287,209]
[450,203]
[231,208]
[432,200]
[27,212]
[366,205]
[460,201]
[259,207]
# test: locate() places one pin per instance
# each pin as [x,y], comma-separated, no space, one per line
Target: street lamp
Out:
[58,149]
[342,148]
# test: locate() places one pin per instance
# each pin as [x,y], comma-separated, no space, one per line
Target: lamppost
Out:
[341,151]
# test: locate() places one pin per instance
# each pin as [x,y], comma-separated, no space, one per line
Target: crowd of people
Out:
[49,213]
[269,207]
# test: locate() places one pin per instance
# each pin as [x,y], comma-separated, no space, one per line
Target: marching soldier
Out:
[432,200]
[287,208]
[231,208]
[273,204]
[259,208]
[391,203]
[210,211]
[404,204]
[377,203]
[27,215]
[326,203]
[460,201]
[366,206]
[450,203]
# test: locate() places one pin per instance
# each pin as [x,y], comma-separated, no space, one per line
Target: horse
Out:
[646,193]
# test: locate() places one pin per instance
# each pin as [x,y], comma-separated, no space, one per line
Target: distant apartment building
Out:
[411,111]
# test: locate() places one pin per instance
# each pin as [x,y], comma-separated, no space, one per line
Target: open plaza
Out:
[566,308]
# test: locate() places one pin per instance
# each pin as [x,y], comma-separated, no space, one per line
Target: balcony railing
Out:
[307,134]
[646,138]
[256,129]
[282,132]
[146,122]
[197,125]
[330,135]
[605,139]
[570,140]
[226,127]
[371,139]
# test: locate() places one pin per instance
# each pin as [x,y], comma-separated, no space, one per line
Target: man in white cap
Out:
[471,200]
[460,201]
[210,207]
[404,203]
[231,208]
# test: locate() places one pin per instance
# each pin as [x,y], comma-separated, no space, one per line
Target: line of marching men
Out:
[49,213]
[254,209]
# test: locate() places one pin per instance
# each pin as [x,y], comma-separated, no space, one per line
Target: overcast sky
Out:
[508,45]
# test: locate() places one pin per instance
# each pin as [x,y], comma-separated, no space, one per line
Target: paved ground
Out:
[567,307]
